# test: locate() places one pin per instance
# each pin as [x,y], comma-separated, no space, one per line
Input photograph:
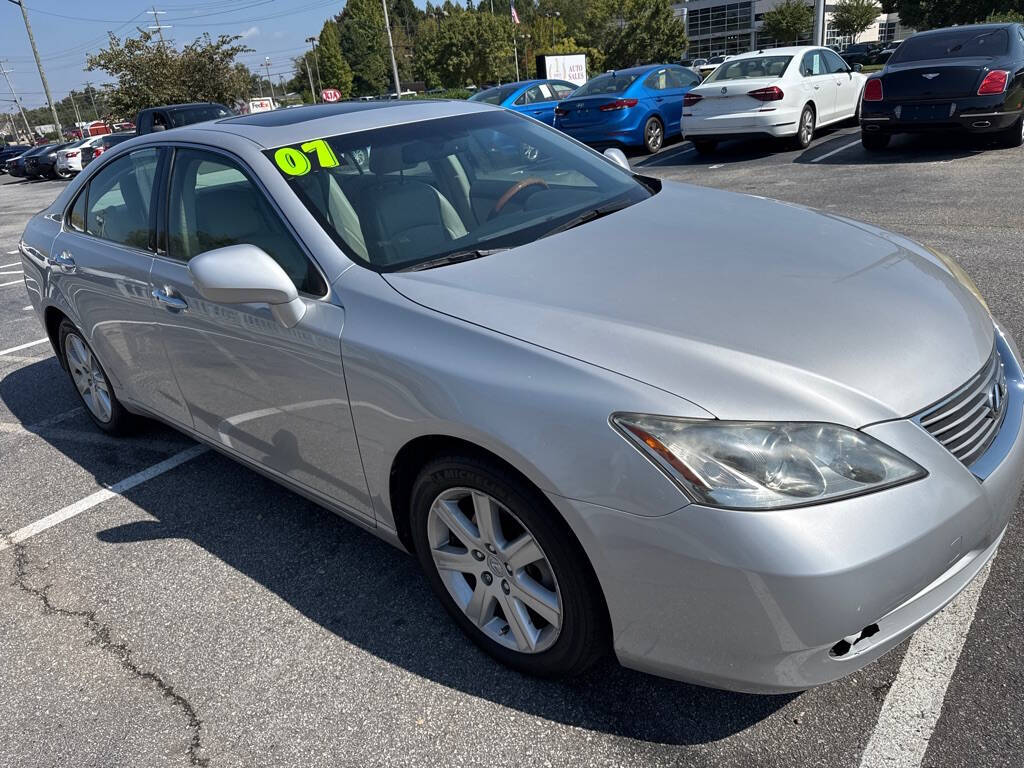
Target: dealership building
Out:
[714,28]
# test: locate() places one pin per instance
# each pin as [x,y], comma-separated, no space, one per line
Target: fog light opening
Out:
[847,644]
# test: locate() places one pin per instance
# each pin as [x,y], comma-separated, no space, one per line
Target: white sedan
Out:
[69,159]
[781,92]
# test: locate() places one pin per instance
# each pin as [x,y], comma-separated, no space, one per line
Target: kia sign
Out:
[572,68]
[331,94]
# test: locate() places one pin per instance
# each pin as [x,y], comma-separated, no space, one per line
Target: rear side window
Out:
[813,64]
[961,43]
[118,199]
[213,204]
[658,80]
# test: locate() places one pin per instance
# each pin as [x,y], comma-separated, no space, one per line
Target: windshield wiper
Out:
[588,216]
[453,258]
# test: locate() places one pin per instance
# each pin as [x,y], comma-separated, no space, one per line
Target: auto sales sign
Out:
[572,67]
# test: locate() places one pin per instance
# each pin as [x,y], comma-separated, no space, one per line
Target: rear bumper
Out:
[981,114]
[777,123]
[762,601]
[629,133]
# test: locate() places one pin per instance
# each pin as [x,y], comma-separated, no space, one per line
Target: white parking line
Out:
[914,702]
[16,282]
[11,253]
[827,155]
[26,309]
[20,347]
[15,264]
[13,272]
[99,497]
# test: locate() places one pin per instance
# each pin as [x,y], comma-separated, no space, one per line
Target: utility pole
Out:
[316,59]
[391,47]
[819,22]
[6,73]
[157,25]
[39,63]
[74,106]
[309,73]
[92,98]
[266,63]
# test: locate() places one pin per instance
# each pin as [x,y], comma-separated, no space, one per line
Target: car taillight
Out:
[73,153]
[873,90]
[771,93]
[691,98]
[994,82]
[618,104]
[98,151]
[561,111]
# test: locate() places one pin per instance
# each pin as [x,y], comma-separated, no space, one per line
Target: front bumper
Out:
[758,601]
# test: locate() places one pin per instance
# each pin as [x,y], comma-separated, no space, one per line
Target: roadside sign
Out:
[331,94]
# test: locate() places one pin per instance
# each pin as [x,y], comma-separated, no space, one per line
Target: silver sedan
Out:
[736,442]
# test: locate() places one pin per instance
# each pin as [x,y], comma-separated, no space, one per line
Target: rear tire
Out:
[805,128]
[874,142]
[654,135]
[705,146]
[91,383]
[1014,135]
[479,580]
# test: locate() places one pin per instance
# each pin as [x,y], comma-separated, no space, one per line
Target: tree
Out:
[334,69]
[929,14]
[150,73]
[789,21]
[364,46]
[649,32]
[1007,17]
[851,17]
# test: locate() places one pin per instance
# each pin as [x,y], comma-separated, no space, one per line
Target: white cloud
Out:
[250,32]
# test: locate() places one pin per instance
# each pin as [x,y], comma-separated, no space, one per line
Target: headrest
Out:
[386,158]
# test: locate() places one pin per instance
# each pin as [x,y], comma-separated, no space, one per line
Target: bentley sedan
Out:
[600,414]
[965,80]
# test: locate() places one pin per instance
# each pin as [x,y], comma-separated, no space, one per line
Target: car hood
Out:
[749,308]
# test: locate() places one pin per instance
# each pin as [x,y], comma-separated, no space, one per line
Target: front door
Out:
[847,87]
[271,394]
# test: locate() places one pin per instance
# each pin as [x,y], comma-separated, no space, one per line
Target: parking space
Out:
[178,609]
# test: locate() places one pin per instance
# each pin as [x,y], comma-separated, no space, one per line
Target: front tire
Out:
[506,568]
[654,135]
[805,128]
[874,142]
[91,382]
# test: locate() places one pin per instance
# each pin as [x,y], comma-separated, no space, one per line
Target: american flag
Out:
[515,16]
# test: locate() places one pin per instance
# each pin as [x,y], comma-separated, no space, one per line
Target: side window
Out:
[562,91]
[531,96]
[118,199]
[658,80]
[835,62]
[76,217]
[677,78]
[213,203]
[812,64]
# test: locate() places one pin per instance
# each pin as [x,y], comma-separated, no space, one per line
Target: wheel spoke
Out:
[539,599]
[480,607]
[449,513]
[487,521]
[447,558]
[521,552]
[519,623]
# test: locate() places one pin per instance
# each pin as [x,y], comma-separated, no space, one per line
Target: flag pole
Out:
[515,41]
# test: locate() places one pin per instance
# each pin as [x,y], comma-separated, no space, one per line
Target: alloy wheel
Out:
[806,127]
[88,377]
[495,570]
[655,135]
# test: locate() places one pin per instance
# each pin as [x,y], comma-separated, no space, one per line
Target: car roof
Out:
[793,50]
[287,126]
[978,27]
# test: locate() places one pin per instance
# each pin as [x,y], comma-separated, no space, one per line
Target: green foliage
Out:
[789,21]
[364,45]
[334,69]
[1006,17]
[464,47]
[851,17]
[930,14]
[649,32]
[149,73]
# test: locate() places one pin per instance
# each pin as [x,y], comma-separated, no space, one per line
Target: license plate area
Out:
[914,113]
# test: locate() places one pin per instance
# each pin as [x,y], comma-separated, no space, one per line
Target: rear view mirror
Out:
[618,157]
[245,274]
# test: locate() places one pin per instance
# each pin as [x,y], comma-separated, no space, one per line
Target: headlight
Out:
[962,277]
[766,465]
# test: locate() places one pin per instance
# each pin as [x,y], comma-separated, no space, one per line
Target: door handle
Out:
[63,261]
[173,303]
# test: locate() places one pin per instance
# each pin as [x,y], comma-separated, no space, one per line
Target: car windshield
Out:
[609,83]
[449,189]
[496,95]
[744,69]
[191,115]
[857,48]
[953,44]
[716,59]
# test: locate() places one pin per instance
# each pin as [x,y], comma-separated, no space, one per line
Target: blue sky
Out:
[66,31]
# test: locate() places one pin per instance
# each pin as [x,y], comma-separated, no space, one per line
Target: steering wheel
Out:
[514,190]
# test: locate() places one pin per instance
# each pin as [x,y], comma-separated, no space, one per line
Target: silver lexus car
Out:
[737,442]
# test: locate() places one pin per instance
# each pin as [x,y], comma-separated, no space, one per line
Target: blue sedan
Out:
[637,107]
[536,98]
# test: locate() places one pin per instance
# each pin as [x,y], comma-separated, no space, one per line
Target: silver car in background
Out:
[739,442]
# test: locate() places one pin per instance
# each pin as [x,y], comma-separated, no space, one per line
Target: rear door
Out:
[819,85]
[272,395]
[101,262]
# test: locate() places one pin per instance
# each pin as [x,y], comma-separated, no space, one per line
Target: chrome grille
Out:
[968,420]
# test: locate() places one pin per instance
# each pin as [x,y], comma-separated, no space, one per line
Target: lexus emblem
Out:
[995,400]
[930,75]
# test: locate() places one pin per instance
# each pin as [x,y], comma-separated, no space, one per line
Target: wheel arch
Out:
[52,318]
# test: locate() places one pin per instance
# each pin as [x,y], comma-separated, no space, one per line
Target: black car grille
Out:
[967,421]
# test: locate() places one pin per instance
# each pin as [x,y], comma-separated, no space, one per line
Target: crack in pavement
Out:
[102,635]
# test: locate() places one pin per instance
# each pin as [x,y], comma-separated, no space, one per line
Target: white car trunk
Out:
[727,97]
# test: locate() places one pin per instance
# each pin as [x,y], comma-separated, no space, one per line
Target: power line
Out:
[157,25]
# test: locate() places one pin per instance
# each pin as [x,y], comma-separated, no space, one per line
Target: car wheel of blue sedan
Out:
[654,135]
[506,568]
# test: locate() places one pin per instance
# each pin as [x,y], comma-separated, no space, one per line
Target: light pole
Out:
[39,64]
[391,47]
[819,22]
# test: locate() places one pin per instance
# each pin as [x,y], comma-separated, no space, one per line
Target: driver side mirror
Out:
[618,157]
[245,274]
[858,67]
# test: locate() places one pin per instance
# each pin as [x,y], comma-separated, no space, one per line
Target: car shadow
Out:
[903,149]
[368,593]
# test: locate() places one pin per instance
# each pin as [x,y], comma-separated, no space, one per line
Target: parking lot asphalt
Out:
[206,616]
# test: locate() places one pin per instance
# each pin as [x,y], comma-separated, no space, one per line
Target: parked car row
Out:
[59,161]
